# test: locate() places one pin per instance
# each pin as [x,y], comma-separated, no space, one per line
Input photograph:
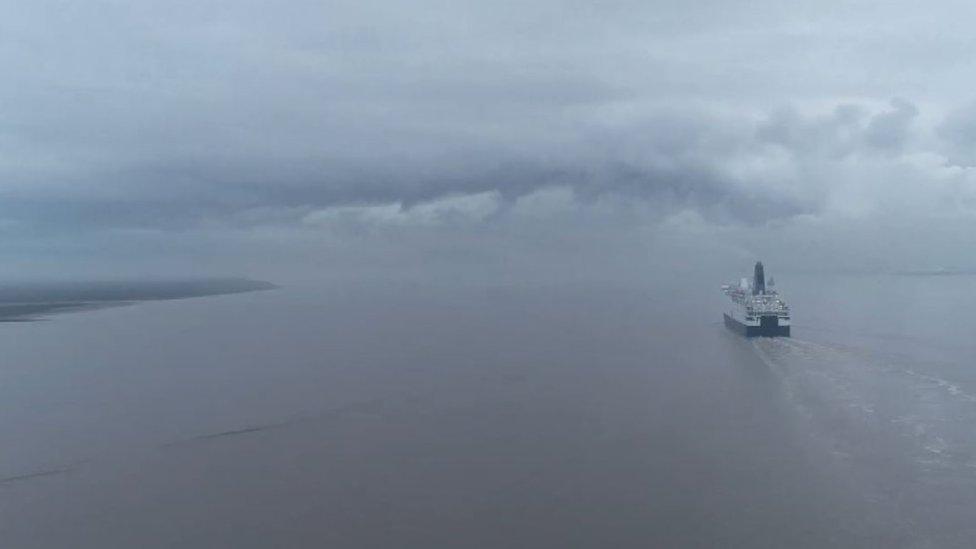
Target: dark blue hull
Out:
[768,327]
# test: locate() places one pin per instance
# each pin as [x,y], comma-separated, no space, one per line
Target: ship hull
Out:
[768,327]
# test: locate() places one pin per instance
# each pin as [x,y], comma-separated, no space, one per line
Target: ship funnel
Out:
[759,280]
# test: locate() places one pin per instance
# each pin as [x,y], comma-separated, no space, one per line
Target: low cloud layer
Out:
[179,130]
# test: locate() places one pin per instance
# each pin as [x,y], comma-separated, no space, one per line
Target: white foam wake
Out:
[854,395]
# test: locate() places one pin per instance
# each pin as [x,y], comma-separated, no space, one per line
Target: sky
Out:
[468,138]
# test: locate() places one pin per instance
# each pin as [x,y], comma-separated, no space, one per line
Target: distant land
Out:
[937,272]
[29,301]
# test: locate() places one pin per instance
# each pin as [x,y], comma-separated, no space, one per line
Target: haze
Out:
[491,237]
[279,141]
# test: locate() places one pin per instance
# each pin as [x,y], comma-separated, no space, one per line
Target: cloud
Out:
[445,211]
[193,121]
[891,130]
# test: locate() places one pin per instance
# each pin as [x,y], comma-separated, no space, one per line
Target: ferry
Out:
[756,309]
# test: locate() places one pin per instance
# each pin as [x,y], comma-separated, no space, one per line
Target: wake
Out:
[859,401]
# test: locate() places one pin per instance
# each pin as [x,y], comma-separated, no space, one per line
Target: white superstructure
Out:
[749,308]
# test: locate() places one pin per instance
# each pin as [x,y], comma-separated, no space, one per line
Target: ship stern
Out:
[768,326]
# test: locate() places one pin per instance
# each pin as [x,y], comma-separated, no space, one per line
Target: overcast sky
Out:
[260,138]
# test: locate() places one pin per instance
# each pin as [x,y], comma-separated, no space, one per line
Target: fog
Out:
[492,236]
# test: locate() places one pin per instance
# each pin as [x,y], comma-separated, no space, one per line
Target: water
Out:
[474,416]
